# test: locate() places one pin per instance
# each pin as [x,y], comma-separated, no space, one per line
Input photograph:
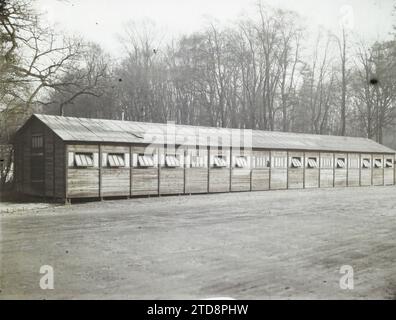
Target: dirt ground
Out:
[258,245]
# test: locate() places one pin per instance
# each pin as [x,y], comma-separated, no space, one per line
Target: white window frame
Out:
[366,163]
[279,162]
[83,159]
[172,161]
[296,162]
[389,163]
[378,163]
[115,160]
[260,162]
[145,160]
[312,162]
[241,162]
[341,163]
[219,161]
[327,163]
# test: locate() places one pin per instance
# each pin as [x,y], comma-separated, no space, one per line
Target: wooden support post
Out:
[54,164]
[208,166]
[66,175]
[372,168]
[100,170]
[270,169]
[360,169]
[130,171]
[287,169]
[230,164]
[334,169]
[319,168]
[159,171]
[303,164]
[347,169]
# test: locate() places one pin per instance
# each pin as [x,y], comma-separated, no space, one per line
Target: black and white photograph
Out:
[205,150]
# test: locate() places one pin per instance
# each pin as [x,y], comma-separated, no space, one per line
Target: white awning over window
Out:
[389,163]
[172,161]
[312,163]
[83,159]
[219,162]
[145,161]
[116,160]
[296,163]
[241,162]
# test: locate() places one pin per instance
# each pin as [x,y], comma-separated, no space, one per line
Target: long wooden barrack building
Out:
[67,157]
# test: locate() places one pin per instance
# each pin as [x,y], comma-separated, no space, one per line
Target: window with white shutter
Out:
[116,160]
[340,163]
[241,162]
[296,162]
[172,161]
[145,160]
[83,160]
[378,163]
[312,163]
[389,163]
[366,163]
[219,162]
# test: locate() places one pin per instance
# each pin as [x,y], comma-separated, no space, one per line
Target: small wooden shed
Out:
[67,157]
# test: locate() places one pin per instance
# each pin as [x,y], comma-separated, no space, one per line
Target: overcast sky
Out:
[102,20]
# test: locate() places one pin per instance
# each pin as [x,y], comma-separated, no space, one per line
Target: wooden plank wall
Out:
[18,164]
[144,181]
[196,171]
[311,174]
[389,173]
[278,175]
[49,158]
[240,177]
[366,173]
[82,182]
[260,170]
[115,181]
[353,170]
[171,180]
[60,156]
[104,181]
[326,170]
[295,177]
[219,178]
[378,173]
[340,174]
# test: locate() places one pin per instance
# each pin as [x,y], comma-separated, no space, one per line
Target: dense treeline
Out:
[261,72]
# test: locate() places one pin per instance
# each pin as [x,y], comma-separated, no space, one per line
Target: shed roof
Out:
[116,131]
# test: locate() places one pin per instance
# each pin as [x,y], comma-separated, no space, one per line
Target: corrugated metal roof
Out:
[99,130]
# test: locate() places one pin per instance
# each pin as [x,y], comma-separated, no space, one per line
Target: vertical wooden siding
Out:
[311,174]
[278,175]
[171,180]
[115,180]
[260,173]
[240,177]
[144,181]
[340,174]
[219,178]
[295,177]
[196,171]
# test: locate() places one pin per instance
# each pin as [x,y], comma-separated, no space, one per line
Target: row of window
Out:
[115,160]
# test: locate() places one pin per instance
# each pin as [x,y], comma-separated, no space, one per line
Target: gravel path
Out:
[260,245]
